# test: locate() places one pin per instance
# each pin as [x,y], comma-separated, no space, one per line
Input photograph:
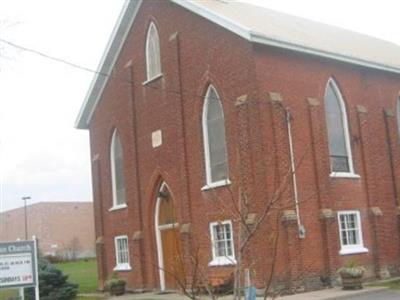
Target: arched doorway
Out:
[167,236]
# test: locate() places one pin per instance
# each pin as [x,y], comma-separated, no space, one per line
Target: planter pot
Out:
[117,289]
[351,282]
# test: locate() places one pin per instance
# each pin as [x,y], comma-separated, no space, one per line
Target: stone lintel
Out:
[275,97]
[241,100]
[185,228]
[289,216]
[137,235]
[376,211]
[327,213]
[251,219]
[388,112]
[128,64]
[361,109]
[173,36]
[312,101]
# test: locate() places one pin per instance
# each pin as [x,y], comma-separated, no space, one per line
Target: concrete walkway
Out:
[327,294]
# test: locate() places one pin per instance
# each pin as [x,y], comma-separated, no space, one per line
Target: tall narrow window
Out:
[153,57]
[338,130]
[117,171]
[214,139]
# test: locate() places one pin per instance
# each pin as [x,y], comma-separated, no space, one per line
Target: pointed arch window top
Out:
[117,172]
[153,53]
[341,160]
[216,157]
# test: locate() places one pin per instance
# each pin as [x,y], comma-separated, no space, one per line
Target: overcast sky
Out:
[41,154]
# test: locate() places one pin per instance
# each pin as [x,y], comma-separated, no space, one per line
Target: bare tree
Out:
[240,207]
[72,249]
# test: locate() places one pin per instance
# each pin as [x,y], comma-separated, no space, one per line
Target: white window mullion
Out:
[350,235]
[122,253]
[221,243]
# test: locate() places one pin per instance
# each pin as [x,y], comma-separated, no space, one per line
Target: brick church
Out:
[210,118]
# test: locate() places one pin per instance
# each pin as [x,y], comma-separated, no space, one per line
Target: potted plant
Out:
[351,275]
[115,286]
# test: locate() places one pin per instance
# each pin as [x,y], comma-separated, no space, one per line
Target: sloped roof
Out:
[258,25]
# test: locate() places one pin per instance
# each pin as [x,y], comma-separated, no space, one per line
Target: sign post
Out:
[19,265]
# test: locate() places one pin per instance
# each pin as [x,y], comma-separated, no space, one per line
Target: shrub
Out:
[53,284]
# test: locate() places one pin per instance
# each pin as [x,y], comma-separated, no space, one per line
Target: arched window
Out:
[153,57]
[214,139]
[338,130]
[117,171]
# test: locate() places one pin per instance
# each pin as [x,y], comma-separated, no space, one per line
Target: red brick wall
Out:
[56,225]
[256,131]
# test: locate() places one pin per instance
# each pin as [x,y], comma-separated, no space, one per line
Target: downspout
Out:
[300,226]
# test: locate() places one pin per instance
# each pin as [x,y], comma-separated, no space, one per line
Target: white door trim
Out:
[160,228]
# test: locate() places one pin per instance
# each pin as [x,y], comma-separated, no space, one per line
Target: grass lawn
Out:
[83,273]
[5,294]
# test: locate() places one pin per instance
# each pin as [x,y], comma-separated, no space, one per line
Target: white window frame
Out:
[121,266]
[351,174]
[209,183]
[151,77]
[115,206]
[221,260]
[351,249]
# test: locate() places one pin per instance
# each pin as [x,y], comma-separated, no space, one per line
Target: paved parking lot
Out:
[374,293]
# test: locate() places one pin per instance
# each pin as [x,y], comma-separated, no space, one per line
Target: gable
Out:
[257,25]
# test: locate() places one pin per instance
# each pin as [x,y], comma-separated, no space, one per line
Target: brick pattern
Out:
[196,53]
[55,224]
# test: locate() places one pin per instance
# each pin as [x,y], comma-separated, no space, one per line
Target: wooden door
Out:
[169,241]
[172,258]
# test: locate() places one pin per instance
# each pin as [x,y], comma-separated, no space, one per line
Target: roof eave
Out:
[127,18]
[262,39]
[107,62]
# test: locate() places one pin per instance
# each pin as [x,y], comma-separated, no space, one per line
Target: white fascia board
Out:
[124,24]
[262,39]
[259,38]
[218,19]
[107,62]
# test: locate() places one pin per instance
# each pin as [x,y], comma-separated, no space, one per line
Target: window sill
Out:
[358,250]
[153,79]
[222,261]
[122,268]
[344,175]
[118,207]
[217,184]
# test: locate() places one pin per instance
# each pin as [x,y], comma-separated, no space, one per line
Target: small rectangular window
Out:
[222,243]
[122,253]
[350,231]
